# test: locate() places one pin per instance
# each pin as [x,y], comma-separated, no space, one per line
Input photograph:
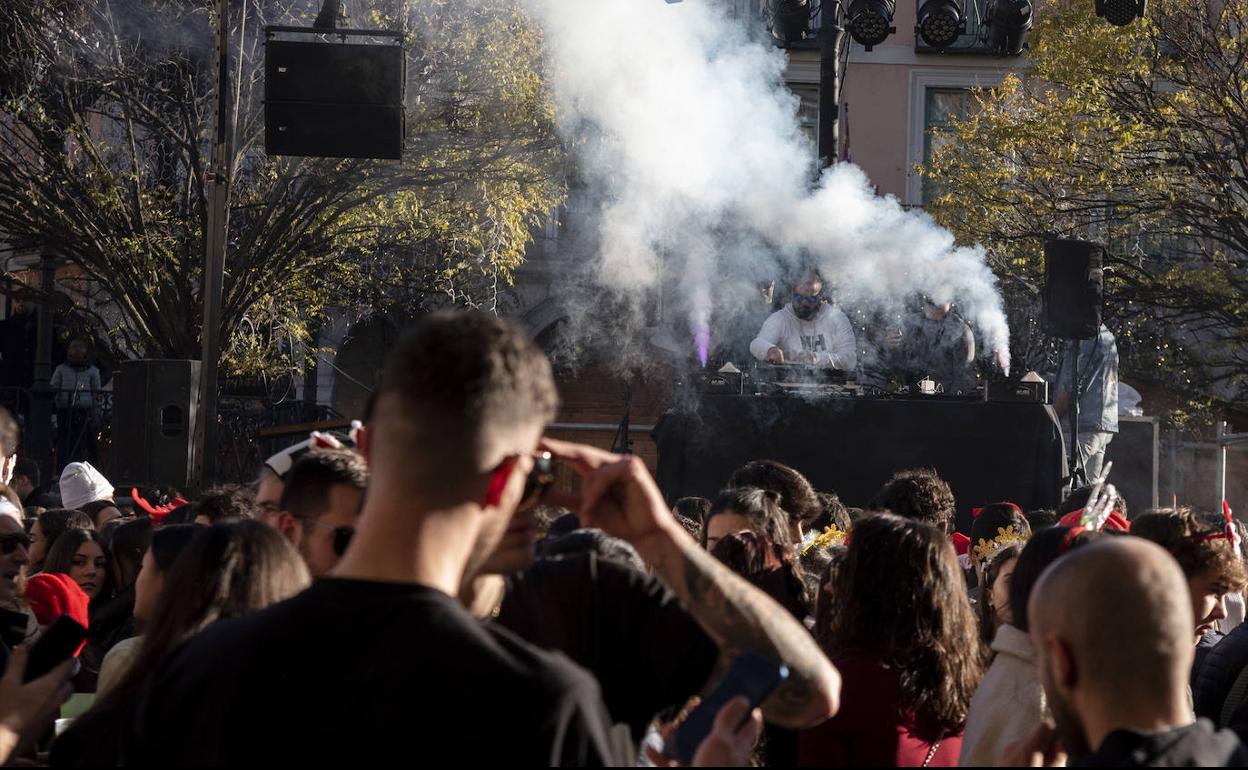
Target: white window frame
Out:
[920,81]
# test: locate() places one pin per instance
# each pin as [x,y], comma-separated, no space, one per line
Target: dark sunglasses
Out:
[802,299]
[342,537]
[540,477]
[10,542]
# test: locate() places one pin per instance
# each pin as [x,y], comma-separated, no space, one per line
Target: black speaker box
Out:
[1073,289]
[155,405]
[333,100]
[333,130]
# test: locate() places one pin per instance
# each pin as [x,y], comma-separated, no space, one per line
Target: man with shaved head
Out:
[1112,625]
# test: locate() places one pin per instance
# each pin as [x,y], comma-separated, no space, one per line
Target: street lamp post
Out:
[831,37]
[40,438]
[217,189]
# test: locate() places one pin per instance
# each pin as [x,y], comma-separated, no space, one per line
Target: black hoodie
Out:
[1197,745]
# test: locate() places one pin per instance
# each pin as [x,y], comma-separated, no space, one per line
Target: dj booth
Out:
[987,451]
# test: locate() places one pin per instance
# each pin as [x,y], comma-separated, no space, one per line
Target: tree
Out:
[1136,137]
[104,139]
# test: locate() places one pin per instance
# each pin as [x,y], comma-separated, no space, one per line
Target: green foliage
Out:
[106,112]
[1133,137]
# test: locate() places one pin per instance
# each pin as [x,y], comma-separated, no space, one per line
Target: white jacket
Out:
[1008,704]
[828,335]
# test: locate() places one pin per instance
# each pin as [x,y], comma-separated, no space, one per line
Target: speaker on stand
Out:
[334,99]
[1074,287]
[155,405]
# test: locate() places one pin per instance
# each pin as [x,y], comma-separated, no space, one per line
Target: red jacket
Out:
[870,730]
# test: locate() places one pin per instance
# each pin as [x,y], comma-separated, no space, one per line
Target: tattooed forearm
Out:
[740,617]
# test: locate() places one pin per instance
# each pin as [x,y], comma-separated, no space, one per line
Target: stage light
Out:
[1008,23]
[790,20]
[870,21]
[1120,12]
[940,23]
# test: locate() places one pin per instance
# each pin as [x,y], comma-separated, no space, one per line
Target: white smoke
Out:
[691,150]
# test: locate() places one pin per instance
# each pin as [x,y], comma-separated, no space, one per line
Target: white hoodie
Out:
[828,335]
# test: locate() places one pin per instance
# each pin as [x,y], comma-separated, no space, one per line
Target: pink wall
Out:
[878,97]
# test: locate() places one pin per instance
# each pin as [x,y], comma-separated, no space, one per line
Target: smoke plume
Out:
[698,181]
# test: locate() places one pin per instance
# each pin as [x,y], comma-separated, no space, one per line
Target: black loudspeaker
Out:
[333,100]
[155,405]
[1073,289]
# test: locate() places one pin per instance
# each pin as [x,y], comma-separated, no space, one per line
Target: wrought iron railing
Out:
[250,428]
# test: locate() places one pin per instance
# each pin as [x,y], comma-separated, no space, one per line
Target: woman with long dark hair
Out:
[83,555]
[900,629]
[227,570]
[993,606]
[766,556]
[48,528]
[167,543]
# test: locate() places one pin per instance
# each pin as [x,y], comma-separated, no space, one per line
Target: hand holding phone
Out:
[752,677]
[60,642]
[28,707]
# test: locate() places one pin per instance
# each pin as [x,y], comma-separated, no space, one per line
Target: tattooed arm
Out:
[620,497]
[741,618]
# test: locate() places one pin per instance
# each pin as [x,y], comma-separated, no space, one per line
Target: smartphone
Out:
[751,675]
[58,644]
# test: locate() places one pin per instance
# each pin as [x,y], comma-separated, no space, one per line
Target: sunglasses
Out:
[342,537]
[540,478]
[802,299]
[10,542]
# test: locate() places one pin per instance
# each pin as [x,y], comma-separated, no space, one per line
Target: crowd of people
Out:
[420,590]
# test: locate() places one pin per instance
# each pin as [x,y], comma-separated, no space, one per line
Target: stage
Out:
[987,451]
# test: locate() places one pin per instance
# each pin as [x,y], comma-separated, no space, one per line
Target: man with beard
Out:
[1112,627]
[808,330]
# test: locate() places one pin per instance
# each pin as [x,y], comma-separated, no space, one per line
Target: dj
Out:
[808,330]
[937,344]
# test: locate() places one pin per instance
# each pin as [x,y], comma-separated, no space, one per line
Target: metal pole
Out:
[217,188]
[1078,477]
[831,35]
[1223,448]
[39,436]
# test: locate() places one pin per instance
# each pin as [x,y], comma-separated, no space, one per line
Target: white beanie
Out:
[82,484]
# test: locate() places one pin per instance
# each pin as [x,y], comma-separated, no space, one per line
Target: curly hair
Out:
[833,512]
[230,502]
[900,594]
[919,494]
[692,508]
[1199,548]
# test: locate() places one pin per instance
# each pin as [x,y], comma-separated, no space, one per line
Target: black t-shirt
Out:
[358,673]
[626,627]
[1197,745]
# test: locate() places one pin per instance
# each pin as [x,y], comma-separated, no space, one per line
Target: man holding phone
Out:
[379,663]
[667,634]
